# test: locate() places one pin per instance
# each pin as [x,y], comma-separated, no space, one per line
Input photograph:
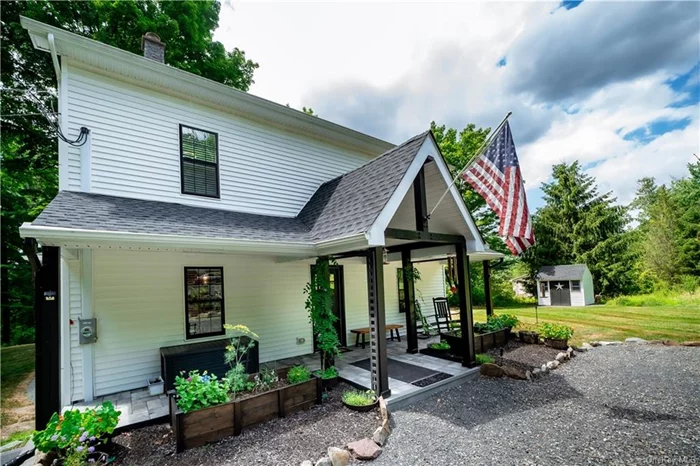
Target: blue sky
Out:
[596,82]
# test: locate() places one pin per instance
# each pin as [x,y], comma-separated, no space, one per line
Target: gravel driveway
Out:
[612,405]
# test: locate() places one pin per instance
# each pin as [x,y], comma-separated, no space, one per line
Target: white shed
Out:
[565,285]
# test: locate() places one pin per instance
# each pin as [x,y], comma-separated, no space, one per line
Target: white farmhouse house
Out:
[565,285]
[192,204]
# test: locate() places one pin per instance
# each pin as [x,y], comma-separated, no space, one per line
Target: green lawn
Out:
[16,362]
[592,323]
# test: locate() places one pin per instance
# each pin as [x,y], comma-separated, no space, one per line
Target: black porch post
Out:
[487,288]
[409,296]
[465,306]
[47,312]
[377,322]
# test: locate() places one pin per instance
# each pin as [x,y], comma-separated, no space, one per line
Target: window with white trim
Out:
[575,285]
[544,289]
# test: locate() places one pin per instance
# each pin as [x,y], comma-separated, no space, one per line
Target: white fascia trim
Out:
[478,241]
[95,238]
[376,231]
[69,237]
[135,67]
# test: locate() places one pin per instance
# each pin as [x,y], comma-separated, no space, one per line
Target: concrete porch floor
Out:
[402,393]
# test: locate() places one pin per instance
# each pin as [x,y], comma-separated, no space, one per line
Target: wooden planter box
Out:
[207,425]
[482,342]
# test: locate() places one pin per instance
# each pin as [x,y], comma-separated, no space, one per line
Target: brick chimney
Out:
[152,47]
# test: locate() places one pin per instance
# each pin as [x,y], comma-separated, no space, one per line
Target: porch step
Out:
[407,399]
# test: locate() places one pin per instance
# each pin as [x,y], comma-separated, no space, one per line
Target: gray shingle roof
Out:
[343,206]
[561,272]
[351,203]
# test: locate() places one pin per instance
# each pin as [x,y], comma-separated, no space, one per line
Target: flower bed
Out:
[206,425]
[482,341]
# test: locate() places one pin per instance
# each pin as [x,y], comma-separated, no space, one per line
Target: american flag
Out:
[496,176]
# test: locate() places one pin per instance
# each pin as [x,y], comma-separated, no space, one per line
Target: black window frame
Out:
[399,287]
[576,287]
[199,162]
[188,335]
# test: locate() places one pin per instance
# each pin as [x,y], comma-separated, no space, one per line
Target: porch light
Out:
[385,255]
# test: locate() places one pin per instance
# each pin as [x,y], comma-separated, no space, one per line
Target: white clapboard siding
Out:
[431,285]
[75,371]
[577,298]
[139,304]
[135,149]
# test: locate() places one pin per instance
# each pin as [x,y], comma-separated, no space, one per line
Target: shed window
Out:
[204,301]
[575,285]
[199,162]
[544,290]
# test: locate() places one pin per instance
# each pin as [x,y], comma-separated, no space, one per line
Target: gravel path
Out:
[303,436]
[612,405]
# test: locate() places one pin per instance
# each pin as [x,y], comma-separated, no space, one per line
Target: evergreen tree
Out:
[685,193]
[577,224]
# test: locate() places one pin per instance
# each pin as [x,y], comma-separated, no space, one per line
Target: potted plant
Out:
[329,377]
[441,346]
[361,401]
[156,386]
[75,436]
[555,335]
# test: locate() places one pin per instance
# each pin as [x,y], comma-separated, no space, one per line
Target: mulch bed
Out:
[303,436]
[522,355]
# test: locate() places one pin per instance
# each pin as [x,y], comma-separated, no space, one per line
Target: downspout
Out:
[54,57]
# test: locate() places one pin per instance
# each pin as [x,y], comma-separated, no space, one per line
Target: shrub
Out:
[483,359]
[555,331]
[199,391]
[442,346]
[265,380]
[74,434]
[358,398]
[329,373]
[504,320]
[298,374]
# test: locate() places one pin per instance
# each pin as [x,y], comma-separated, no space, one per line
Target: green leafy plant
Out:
[319,305]
[199,391]
[504,320]
[442,346]
[555,331]
[298,374]
[329,373]
[242,339]
[74,434]
[483,359]
[265,380]
[359,398]
[487,327]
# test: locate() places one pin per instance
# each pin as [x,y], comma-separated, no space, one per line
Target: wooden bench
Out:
[365,331]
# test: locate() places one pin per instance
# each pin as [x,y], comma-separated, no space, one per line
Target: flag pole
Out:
[472,161]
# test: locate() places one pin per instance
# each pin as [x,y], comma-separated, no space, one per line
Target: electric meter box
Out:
[87,330]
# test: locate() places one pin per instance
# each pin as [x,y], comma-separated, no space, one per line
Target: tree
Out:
[686,196]
[577,224]
[660,245]
[29,149]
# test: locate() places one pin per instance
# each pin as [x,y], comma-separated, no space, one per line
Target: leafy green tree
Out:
[660,240]
[29,148]
[577,224]
[686,196]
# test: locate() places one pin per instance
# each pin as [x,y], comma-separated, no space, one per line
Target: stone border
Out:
[365,449]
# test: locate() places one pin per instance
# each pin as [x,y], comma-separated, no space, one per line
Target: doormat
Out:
[431,380]
[403,371]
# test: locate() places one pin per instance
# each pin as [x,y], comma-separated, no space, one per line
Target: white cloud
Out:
[390,68]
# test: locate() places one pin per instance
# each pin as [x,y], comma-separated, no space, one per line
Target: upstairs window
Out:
[199,162]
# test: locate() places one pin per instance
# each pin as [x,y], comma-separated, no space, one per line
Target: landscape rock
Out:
[325,461]
[570,353]
[339,457]
[691,343]
[544,368]
[595,344]
[635,341]
[381,435]
[585,347]
[491,370]
[536,372]
[364,449]
[552,364]
[44,459]
[515,372]
[560,357]
[610,343]
[306,463]
[670,343]
[383,409]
